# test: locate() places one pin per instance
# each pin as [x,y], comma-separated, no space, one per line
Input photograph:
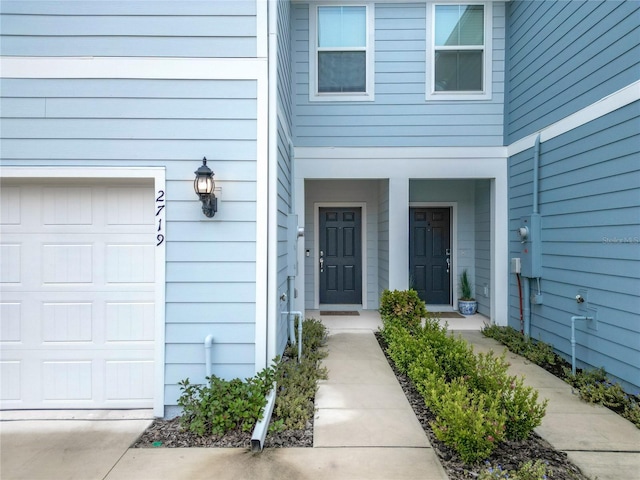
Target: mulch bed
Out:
[169,434]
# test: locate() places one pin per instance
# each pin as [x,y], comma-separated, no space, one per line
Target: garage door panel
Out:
[10,264]
[67,263]
[10,380]
[10,322]
[130,207]
[67,206]
[67,322]
[129,380]
[130,263]
[67,380]
[130,322]
[77,298]
[10,206]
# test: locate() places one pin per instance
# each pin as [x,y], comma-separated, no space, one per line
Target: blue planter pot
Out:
[467,307]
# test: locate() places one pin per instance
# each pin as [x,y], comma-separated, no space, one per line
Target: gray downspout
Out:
[527,281]
[536,168]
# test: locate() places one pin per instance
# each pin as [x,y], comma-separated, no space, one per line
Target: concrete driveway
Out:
[65,449]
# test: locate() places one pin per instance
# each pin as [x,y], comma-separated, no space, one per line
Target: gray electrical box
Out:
[529,232]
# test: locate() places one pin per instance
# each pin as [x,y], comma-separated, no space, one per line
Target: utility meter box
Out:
[529,233]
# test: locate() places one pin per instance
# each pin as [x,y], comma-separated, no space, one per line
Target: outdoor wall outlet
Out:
[516,266]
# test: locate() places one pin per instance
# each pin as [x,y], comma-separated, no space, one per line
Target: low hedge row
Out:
[476,403]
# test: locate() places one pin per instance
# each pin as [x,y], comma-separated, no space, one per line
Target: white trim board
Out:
[394,153]
[604,106]
[158,176]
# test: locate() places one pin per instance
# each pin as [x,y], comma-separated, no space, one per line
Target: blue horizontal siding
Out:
[563,56]
[210,269]
[154,28]
[400,115]
[111,108]
[140,89]
[589,203]
[218,312]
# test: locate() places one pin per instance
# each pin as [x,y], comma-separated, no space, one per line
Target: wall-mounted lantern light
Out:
[204,185]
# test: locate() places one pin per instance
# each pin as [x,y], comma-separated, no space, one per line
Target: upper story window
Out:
[459,52]
[341,52]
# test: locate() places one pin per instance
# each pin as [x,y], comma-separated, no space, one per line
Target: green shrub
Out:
[632,413]
[469,422]
[224,405]
[521,407]
[519,402]
[528,471]
[538,352]
[298,382]
[490,374]
[594,387]
[403,348]
[403,305]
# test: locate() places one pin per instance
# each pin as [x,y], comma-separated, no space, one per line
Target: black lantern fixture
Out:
[204,186]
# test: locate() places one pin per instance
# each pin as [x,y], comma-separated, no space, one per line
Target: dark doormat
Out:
[447,315]
[344,313]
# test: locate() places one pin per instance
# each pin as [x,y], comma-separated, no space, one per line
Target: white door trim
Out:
[158,176]
[454,241]
[316,240]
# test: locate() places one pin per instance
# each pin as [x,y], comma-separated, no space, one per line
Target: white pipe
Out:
[291,314]
[262,426]
[208,342]
[573,341]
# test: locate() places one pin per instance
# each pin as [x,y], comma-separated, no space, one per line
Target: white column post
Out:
[500,254]
[398,233]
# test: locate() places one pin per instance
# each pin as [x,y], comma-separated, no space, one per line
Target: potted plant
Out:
[467,305]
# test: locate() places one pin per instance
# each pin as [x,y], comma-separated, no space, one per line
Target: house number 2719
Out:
[160,204]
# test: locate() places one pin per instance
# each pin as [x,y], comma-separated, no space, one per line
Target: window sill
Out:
[457,97]
[342,97]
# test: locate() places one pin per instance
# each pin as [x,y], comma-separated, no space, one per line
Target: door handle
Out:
[448,264]
[321,264]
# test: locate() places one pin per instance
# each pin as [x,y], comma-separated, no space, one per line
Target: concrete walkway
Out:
[364,429]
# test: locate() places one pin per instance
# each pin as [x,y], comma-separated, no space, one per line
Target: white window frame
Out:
[368,94]
[487,64]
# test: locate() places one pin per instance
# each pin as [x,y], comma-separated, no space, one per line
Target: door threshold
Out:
[338,307]
[440,308]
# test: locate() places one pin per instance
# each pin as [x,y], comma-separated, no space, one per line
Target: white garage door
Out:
[76,295]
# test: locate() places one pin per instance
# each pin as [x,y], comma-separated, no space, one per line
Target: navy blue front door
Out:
[340,256]
[430,254]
